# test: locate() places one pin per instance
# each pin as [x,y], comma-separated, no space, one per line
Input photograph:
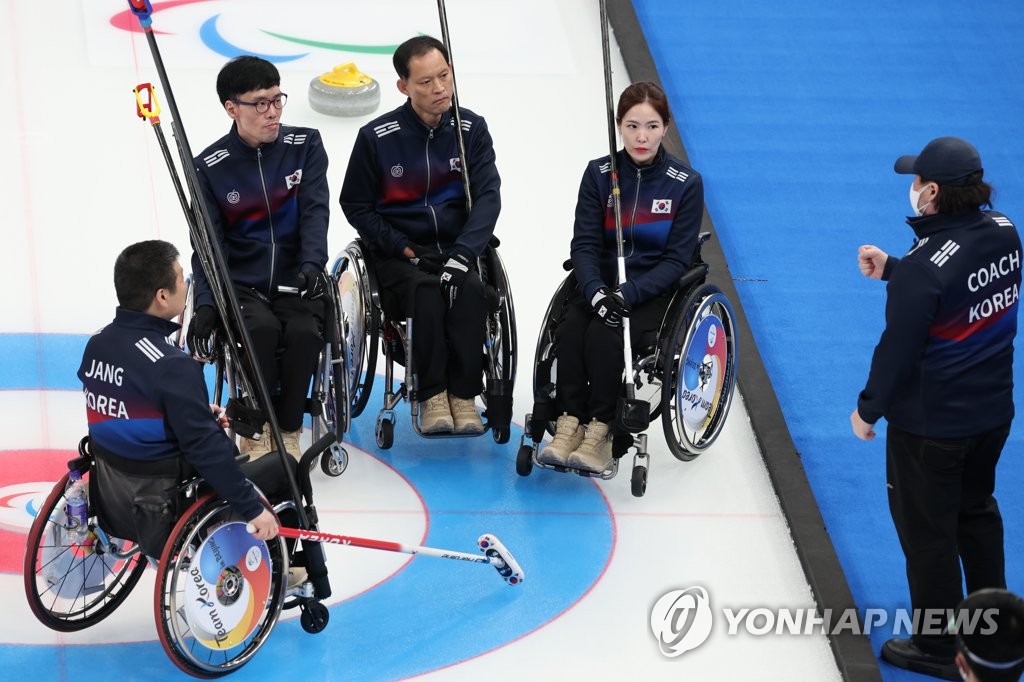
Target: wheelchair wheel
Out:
[70,586]
[524,460]
[700,372]
[501,347]
[219,590]
[334,461]
[330,390]
[359,323]
[638,482]
[545,362]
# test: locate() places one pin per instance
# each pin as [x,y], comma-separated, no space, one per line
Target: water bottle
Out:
[76,508]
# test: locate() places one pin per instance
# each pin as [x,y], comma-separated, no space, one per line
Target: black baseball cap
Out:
[946,160]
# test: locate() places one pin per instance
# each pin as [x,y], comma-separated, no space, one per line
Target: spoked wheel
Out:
[501,348]
[700,370]
[359,323]
[219,590]
[545,357]
[71,586]
[330,387]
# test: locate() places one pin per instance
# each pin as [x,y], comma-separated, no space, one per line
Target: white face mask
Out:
[915,197]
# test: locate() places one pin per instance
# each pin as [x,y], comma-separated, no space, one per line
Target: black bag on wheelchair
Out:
[136,500]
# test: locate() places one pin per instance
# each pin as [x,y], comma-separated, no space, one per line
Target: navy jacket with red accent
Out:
[662,208]
[943,367]
[404,184]
[270,206]
[146,400]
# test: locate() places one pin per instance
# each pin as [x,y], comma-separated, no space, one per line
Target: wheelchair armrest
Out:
[692,276]
[567,265]
[701,238]
[494,242]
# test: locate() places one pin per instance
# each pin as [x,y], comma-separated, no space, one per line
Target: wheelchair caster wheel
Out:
[639,481]
[385,433]
[501,434]
[334,461]
[524,460]
[314,617]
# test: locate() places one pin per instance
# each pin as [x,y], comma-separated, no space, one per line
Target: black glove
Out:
[426,258]
[312,284]
[200,331]
[453,274]
[610,307]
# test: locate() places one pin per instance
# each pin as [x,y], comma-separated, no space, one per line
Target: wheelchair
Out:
[369,317]
[219,591]
[686,375]
[328,399]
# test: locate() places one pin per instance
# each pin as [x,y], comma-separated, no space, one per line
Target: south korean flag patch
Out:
[293,179]
[661,206]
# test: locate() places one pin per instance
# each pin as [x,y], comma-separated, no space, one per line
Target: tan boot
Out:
[297,577]
[258,448]
[436,415]
[464,415]
[291,443]
[568,436]
[595,452]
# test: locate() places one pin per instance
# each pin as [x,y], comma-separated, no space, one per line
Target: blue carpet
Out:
[794,113]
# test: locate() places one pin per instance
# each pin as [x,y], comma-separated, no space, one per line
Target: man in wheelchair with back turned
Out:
[149,419]
[663,203]
[410,207]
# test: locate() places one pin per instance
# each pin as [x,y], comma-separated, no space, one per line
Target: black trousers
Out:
[447,344]
[287,337]
[590,356]
[940,498]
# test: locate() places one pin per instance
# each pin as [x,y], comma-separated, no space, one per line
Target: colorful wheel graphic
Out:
[228,586]
[703,378]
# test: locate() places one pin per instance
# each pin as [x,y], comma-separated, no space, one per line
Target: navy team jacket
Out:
[662,207]
[270,206]
[943,367]
[404,184]
[146,400]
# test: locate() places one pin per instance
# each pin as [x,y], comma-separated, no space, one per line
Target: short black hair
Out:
[995,654]
[245,74]
[415,47]
[142,269]
[963,198]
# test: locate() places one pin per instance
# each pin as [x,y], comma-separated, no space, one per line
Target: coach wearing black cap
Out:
[942,376]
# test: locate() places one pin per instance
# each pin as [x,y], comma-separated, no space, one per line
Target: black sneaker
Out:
[903,653]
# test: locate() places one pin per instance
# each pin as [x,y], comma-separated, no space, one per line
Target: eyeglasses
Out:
[263,105]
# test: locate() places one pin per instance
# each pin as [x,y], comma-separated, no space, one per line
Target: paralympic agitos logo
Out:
[213,38]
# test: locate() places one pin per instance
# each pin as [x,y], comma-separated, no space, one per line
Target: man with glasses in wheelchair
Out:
[265,186]
[404,194]
[149,420]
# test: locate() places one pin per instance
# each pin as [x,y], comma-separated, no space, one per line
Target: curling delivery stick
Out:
[495,553]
